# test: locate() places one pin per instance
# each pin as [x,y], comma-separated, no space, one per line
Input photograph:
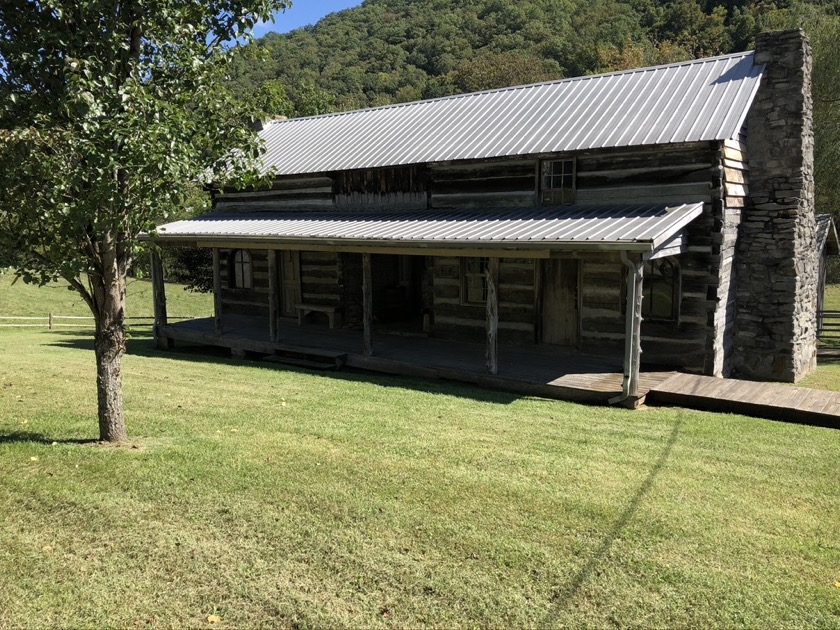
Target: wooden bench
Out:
[330,311]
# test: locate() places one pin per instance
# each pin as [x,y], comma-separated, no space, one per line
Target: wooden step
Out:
[302,362]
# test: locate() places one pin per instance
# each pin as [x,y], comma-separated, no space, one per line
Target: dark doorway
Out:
[397,282]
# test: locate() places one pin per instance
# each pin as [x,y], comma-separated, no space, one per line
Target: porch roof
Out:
[641,228]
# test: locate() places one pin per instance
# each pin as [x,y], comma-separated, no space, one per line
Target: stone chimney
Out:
[777,266]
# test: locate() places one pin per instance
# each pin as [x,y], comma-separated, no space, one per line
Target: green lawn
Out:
[18,299]
[275,497]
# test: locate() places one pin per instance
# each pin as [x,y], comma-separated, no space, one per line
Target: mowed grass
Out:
[275,497]
[18,299]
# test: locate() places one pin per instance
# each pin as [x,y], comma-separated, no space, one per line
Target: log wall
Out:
[253,301]
[455,320]
[320,274]
[496,183]
[706,172]
[305,192]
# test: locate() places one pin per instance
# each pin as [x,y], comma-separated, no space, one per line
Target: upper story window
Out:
[240,275]
[558,182]
[660,290]
[474,280]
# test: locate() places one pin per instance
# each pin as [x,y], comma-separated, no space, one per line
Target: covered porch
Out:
[632,235]
[535,370]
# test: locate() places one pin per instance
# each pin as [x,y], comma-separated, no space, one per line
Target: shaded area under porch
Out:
[540,370]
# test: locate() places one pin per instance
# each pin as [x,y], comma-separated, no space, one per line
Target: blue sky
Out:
[303,12]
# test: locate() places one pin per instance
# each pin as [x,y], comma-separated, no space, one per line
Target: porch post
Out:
[367,304]
[273,296]
[159,299]
[636,349]
[491,353]
[217,291]
[632,330]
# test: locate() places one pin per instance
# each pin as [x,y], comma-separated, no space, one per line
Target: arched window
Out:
[240,269]
[660,290]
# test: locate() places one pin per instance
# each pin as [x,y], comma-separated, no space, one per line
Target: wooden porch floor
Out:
[775,401]
[547,371]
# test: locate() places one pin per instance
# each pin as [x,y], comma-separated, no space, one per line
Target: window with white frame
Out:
[474,280]
[240,275]
[558,182]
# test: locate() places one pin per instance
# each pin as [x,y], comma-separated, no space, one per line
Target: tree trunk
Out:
[109,311]
[110,346]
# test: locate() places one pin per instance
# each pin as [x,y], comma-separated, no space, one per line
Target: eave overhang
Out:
[583,228]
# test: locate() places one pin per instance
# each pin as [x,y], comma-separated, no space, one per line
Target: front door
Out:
[289,282]
[560,301]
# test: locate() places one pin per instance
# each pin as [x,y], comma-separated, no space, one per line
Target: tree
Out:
[108,110]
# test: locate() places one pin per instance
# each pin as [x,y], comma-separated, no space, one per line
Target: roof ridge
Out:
[586,77]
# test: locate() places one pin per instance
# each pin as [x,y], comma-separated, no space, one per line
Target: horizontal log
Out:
[733,152]
[666,193]
[295,193]
[290,182]
[453,320]
[519,275]
[308,258]
[736,190]
[519,166]
[487,200]
[485,185]
[736,165]
[653,177]
[735,176]
[274,205]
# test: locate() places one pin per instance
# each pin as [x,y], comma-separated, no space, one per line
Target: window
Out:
[474,280]
[558,182]
[660,289]
[240,269]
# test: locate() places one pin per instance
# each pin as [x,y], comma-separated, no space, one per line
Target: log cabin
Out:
[661,216]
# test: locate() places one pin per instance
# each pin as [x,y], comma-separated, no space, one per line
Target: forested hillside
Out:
[389,51]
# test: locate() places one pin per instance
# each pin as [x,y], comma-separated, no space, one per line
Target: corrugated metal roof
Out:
[638,227]
[706,99]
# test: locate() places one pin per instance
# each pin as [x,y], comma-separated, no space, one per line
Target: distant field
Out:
[277,497]
[20,299]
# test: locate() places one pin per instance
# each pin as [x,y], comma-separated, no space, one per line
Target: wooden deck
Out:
[775,401]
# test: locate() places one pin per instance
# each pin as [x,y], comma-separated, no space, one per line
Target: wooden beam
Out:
[367,304]
[159,298]
[492,350]
[477,249]
[217,290]
[273,296]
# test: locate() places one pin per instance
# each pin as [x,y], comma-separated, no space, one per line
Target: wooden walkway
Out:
[775,401]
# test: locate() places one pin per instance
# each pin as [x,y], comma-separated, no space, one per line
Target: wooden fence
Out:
[51,322]
[828,325]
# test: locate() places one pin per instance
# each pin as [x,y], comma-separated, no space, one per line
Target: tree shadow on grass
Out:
[20,437]
[142,345]
[564,596]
